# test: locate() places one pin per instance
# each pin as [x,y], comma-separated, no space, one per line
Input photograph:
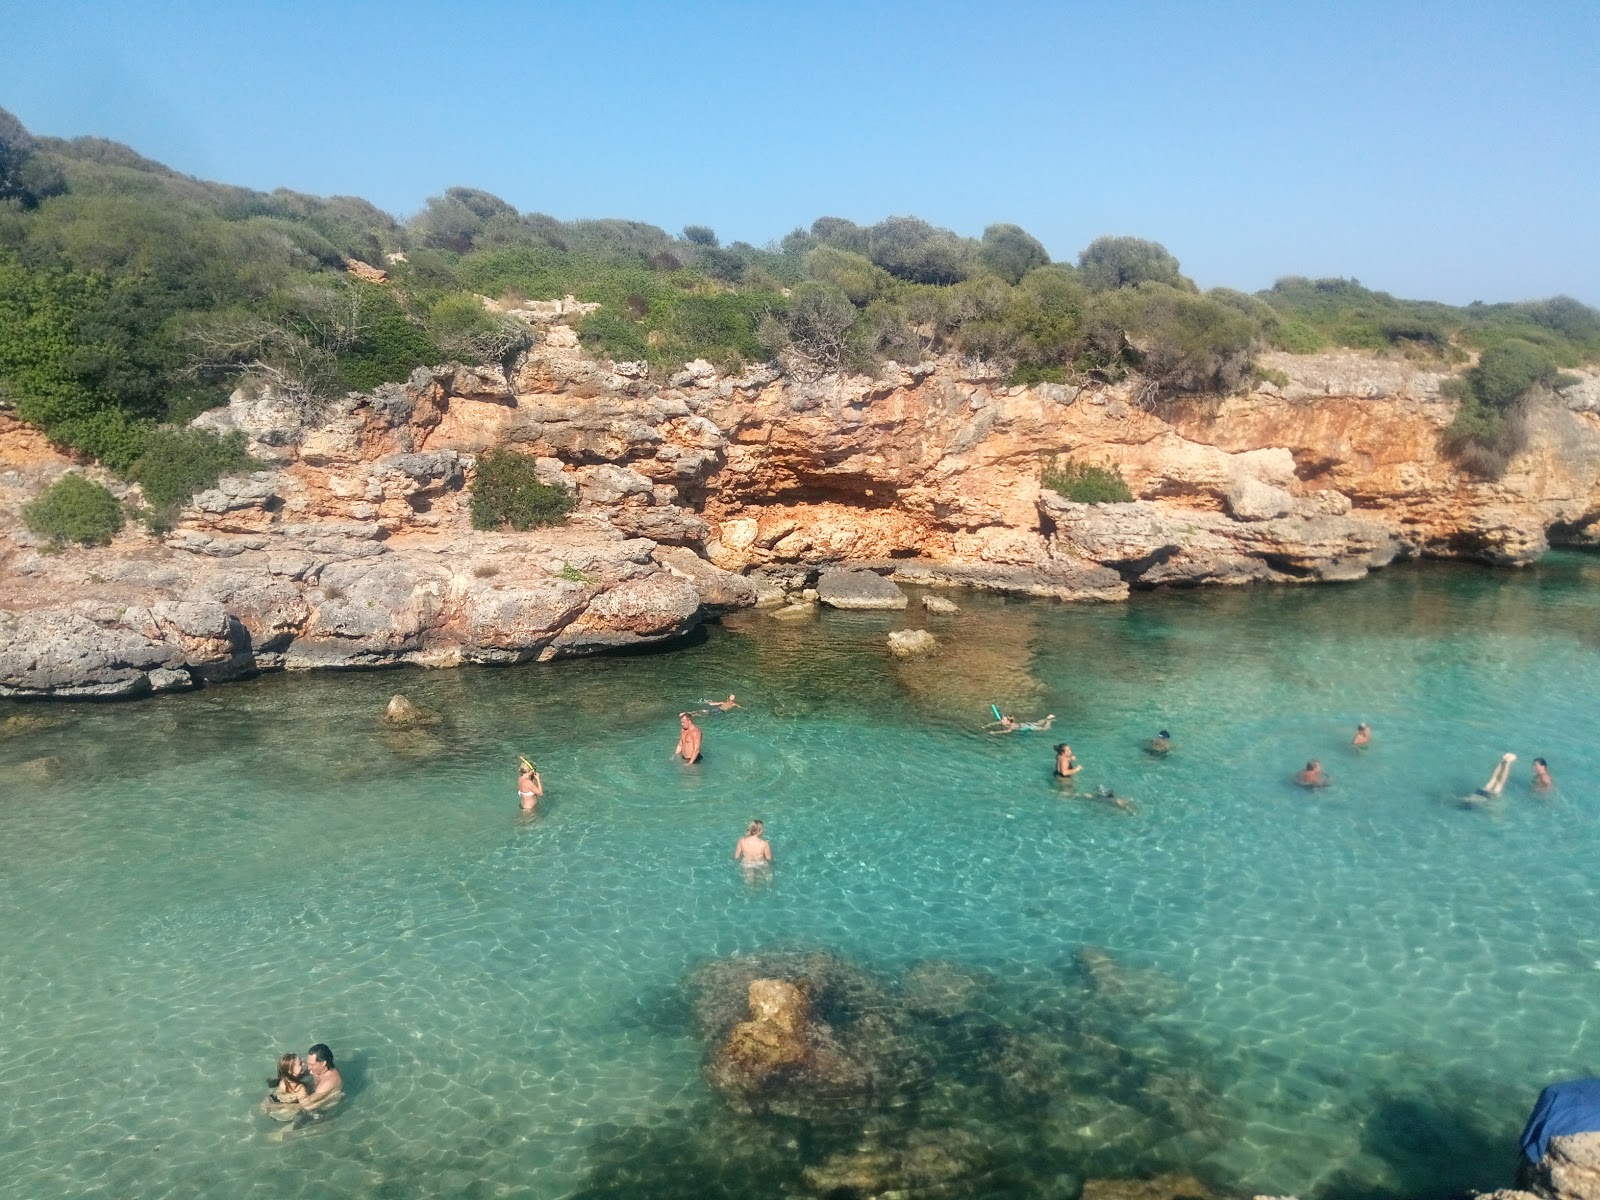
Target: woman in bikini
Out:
[754,852]
[288,1089]
[530,788]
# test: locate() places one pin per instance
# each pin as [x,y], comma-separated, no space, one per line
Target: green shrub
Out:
[1509,370]
[178,462]
[1180,341]
[1269,375]
[1085,483]
[1108,263]
[1011,252]
[74,509]
[506,491]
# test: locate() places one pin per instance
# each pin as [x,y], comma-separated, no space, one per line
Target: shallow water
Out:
[1366,985]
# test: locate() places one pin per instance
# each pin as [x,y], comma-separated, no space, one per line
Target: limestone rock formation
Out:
[839,588]
[940,605]
[401,713]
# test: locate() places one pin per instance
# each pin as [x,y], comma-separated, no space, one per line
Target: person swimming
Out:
[1159,746]
[1107,796]
[753,852]
[1496,784]
[1541,776]
[1363,736]
[1010,724]
[723,706]
[530,788]
[1066,765]
[1313,776]
[288,1089]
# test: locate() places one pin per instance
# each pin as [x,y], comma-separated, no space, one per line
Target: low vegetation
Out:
[133,297]
[74,509]
[1085,483]
[507,493]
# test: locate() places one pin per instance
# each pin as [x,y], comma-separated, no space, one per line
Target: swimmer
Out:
[1009,724]
[1039,726]
[327,1087]
[723,705]
[288,1089]
[1363,737]
[1066,765]
[1312,776]
[530,788]
[1541,776]
[1159,746]
[1497,779]
[1106,796]
[689,736]
[753,852]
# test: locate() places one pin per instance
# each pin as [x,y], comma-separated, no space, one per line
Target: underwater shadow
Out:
[1434,1150]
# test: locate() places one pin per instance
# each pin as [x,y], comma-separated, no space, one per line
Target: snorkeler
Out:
[1106,796]
[1497,779]
[1159,746]
[530,788]
[1313,776]
[723,705]
[1541,776]
[689,736]
[1066,765]
[1363,735]
[753,851]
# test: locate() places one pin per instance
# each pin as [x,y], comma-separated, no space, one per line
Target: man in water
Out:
[530,788]
[753,852]
[1541,776]
[1159,746]
[723,705]
[327,1085]
[689,736]
[1009,724]
[1363,736]
[1066,765]
[1312,776]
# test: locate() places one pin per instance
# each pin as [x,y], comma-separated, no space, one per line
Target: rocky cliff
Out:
[352,546]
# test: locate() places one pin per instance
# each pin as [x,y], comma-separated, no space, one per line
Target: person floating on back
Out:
[1009,724]
[530,788]
[689,736]
[1363,737]
[1159,746]
[727,705]
[1498,778]
[1313,776]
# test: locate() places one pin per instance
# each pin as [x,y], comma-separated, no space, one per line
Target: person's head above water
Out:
[290,1068]
[1062,747]
[1163,734]
[755,829]
[684,721]
[320,1054]
[1313,765]
[1539,762]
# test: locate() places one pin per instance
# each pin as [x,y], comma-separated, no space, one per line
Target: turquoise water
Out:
[1353,992]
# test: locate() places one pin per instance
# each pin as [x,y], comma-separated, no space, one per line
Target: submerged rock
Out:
[925,1164]
[938,604]
[1135,989]
[1162,1187]
[906,642]
[403,714]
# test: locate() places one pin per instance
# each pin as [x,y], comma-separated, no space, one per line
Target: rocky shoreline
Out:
[352,546]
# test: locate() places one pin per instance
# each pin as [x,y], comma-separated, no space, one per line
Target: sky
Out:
[1446,151]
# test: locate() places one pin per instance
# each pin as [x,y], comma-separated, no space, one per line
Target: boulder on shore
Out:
[938,604]
[842,588]
[402,714]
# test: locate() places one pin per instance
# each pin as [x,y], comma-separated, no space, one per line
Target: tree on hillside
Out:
[1010,251]
[26,177]
[1108,263]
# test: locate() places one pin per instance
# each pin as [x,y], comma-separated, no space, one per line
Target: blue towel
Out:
[1572,1106]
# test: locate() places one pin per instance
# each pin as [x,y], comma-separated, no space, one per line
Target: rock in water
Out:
[938,604]
[402,714]
[906,642]
[841,588]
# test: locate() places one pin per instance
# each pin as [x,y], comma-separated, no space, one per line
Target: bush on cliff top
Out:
[506,492]
[74,509]
[177,463]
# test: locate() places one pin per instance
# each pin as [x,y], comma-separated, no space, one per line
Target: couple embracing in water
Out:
[304,1085]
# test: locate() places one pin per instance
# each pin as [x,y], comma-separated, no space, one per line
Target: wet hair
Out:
[755,828]
[1313,765]
[1061,747]
[288,1071]
[1163,734]
[321,1053]
[1539,762]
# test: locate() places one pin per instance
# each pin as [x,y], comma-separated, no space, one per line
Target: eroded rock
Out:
[842,588]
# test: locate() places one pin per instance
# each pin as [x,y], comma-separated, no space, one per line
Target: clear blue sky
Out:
[1439,150]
